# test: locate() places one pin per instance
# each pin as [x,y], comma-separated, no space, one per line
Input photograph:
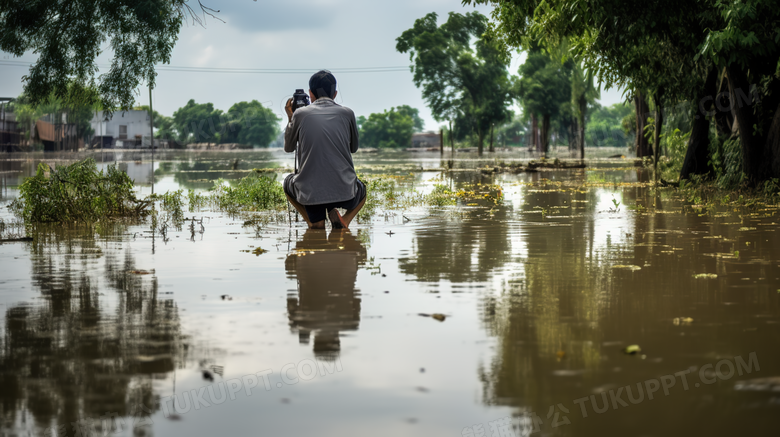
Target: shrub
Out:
[77,192]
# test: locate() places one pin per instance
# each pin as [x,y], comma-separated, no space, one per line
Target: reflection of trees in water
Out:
[327,303]
[70,359]
[199,173]
[570,298]
[465,247]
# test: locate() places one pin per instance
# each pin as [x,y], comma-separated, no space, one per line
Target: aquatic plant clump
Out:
[77,192]
[252,193]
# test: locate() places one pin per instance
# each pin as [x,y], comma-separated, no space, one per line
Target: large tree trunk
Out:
[739,91]
[535,133]
[480,141]
[545,134]
[696,157]
[642,112]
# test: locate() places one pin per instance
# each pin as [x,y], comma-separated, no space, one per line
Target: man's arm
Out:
[291,131]
[353,134]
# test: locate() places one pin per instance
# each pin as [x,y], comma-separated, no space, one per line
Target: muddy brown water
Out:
[275,330]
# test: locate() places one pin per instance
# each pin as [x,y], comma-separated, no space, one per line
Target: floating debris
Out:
[682,321]
[706,276]
[627,267]
[437,316]
[770,384]
[632,350]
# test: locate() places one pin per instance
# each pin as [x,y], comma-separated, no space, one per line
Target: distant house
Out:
[123,129]
[57,136]
[426,140]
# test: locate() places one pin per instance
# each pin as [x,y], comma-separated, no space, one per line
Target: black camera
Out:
[300,99]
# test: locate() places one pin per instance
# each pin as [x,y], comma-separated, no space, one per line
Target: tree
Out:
[583,95]
[390,129]
[69,36]
[163,125]
[250,123]
[414,114]
[463,75]
[605,127]
[196,122]
[544,89]
[666,50]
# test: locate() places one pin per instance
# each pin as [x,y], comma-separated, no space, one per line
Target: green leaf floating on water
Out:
[706,276]
[633,349]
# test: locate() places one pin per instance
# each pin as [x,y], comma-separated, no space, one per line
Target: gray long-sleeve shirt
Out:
[326,135]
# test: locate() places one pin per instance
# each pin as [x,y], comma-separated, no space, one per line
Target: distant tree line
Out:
[392,128]
[245,123]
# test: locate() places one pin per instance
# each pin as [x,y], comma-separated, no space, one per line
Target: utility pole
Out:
[151,128]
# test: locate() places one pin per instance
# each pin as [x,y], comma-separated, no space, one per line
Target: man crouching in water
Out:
[325,134]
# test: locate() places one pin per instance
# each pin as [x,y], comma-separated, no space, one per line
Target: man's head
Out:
[322,84]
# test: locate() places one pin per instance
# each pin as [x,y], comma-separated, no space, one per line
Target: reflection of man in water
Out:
[326,268]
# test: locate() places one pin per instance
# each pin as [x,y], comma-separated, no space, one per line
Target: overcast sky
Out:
[292,34]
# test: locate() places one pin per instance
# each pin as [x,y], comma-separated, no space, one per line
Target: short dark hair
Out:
[323,84]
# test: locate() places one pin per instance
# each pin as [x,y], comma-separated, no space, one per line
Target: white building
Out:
[125,127]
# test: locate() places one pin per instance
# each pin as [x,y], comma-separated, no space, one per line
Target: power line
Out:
[236,70]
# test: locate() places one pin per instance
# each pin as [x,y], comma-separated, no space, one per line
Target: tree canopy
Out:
[463,76]
[392,128]
[68,36]
[251,123]
[246,123]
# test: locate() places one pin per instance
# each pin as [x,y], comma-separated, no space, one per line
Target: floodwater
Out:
[259,327]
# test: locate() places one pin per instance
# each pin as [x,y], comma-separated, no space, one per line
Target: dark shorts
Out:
[318,213]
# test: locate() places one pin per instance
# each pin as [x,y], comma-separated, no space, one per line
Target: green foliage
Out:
[69,36]
[511,133]
[414,114]
[441,196]
[390,129]
[198,122]
[253,193]
[170,213]
[77,192]
[163,125]
[606,127]
[196,200]
[727,161]
[251,124]
[462,75]
[544,87]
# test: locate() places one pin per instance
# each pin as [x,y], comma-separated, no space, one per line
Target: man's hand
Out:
[288,109]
